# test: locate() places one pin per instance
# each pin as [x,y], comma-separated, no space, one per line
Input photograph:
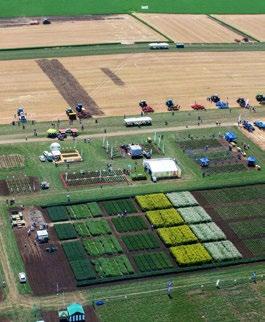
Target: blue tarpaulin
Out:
[251,161]
[204,162]
[230,136]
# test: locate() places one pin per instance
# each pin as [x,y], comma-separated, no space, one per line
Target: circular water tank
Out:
[55,146]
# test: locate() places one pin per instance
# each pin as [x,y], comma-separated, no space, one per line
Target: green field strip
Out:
[233,28]
[152,27]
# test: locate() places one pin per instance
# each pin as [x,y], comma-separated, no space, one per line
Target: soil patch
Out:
[68,85]
[46,272]
[115,78]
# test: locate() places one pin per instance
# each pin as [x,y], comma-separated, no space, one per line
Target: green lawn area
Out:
[80,7]
[147,301]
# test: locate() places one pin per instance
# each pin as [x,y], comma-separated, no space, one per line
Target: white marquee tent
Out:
[162,168]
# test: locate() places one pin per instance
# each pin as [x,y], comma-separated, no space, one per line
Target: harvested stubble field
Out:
[189,28]
[186,77]
[71,31]
[253,25]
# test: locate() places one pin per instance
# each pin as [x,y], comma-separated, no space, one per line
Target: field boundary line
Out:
[231,27]
[151,27]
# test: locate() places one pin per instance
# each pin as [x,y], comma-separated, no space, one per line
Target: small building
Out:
[162,168]
[42,236]
[135,151]
[75,313]
[230,137]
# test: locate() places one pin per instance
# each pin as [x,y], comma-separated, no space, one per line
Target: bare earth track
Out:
[17,33]
[253,25]
[68,86]
[189,28]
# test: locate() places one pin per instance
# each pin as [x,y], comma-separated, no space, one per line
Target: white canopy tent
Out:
[162,168]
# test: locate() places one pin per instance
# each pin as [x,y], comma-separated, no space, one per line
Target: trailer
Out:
[145,107]
[136,121]
[159,45]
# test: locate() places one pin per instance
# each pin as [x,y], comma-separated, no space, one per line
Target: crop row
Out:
[140,241]
[182,199]
[92,228]
[114,207]
[129,223]
[164,217]
[82,269]
[194,215]
[222,250]
[86,210]
[208,232]
[190,254]
[177,235]
[65,231]
[58,213]
[153,201]
[152,262]
[113,266]
[102,245]
[11,161]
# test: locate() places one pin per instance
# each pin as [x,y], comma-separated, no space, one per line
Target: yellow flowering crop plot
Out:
[153,201]
[191,254]
[164,217]
[177,235]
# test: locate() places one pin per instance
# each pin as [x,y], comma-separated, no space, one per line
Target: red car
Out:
[197,106]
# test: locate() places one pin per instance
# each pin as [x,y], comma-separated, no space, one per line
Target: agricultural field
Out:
[205,73]
[75,31]
[11,161]
[19,184]
[189,28]
[252,25]
[258,137]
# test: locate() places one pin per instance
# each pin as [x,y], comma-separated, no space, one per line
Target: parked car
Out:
[42,158]
[22,277]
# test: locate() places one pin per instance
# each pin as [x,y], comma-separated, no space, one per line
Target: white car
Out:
[42,158]
[22,277]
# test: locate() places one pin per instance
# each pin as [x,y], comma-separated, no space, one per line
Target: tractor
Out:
[248,126]
[145,107]
[171,106]
[21,115]
[197,107]
[243,102]
[213,99]
[260,98]
[70,113]
[81,112]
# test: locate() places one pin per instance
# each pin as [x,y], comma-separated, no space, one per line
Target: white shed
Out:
[162,168]
[42,236]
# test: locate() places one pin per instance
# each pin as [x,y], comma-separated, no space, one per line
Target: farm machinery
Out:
[81,112]
[171,106]
[21,115]
[145,107]
[198,107]
[260,125]
[243,102]
[248,126]
[260,98]
[70,113]
[218,102]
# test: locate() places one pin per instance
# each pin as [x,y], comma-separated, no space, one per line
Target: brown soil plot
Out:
[189,28]
[253,25]
[67,85]
[100,29]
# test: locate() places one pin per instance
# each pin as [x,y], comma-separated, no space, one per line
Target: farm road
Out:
[9,139]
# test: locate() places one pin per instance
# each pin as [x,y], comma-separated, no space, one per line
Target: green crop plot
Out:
[80,7]
[65,231]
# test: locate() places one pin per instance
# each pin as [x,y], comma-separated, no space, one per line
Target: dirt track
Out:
[185,77]
[258,137]
[253,25]
[87,30]
[189,28]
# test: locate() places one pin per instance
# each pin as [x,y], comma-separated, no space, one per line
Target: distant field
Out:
[79,7]
[253,25]
[90,30]
[190,28]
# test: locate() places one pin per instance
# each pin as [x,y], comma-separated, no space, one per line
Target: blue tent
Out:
[251,161]
[230,136]
[204,162]
[221,105]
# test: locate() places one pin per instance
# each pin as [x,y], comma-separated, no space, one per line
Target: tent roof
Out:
[42,233]
[161,165]
[135,147]
[75,308]
[251,159]
[204,160]
[230,134]
[52,131]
